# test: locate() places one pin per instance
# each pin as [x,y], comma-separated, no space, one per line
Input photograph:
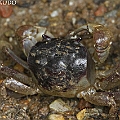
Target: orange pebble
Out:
[1,81]
[100,11]
[19,68]
[25,102]
[5,10]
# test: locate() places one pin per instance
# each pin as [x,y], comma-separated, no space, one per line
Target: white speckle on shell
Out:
[37,61]
[33,54]
[62,64]
[81,62]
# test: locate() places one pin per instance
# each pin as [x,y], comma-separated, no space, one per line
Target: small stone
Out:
[54,13]
[59,106]
[71,2]
[10,39]
[98,1]
[73,21]
[3,92]
[4,118]
[85,114]
[5,10]
[81,114]
[69,15]
[100,11]
[25,101]
[84,104]
[81,21]
[44,23]
[56,117]
[19,68]
[1,81]
[10,33]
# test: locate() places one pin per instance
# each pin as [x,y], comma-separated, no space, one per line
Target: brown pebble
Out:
[100,11]
[84,104]
[19,68]
[5,10]
[1,81]
[69,15]
[25,102]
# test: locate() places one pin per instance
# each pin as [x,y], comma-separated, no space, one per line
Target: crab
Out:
[64,67]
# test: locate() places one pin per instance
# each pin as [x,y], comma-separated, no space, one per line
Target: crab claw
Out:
[102,40]
[27,45]
[30,35]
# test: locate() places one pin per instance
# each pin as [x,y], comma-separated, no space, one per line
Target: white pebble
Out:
[71,3]
[10,39]
[54,13]
[59,106]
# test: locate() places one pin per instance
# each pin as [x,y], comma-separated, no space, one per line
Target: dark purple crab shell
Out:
[59,64]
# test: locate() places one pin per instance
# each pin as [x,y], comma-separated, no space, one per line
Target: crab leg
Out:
[23,84]
[12,73]
[81,33]
[112,80]
[16,58]
[116,97]
[103,99]
[18,87]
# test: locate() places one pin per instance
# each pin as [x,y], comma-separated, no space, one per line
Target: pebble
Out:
[19,68]
[25,102]
[1,81]
[81,114]
[25,4]
[54,13]
[10,33]
[88,114]
[10,39]
[69,16]
[5,43]
[43,23]
[71,2]
[73,20]
[56,117]
[84,104]
[3,92]
[81,21]
[98,1]
[100,11]
[112,13]
[59,106]
[6,10]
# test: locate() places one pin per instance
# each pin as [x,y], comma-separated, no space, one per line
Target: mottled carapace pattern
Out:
[58,64]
